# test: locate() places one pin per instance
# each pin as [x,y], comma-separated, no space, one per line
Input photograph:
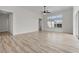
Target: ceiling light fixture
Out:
[45,11]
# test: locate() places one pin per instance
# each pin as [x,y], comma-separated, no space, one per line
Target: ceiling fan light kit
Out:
[45,11]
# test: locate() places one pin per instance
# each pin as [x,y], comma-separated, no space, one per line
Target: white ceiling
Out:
[50,8]
[38,9]
[58,8]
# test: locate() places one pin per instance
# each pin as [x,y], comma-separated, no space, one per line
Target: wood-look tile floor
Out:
[39,42]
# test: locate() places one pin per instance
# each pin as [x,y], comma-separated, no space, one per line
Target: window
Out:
[52,25]
[59,25]
[55,21]
[49,24]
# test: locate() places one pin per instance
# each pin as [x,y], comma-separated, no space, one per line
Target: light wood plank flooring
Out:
[38,42]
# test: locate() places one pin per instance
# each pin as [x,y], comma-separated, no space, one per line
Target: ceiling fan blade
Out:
[48,12]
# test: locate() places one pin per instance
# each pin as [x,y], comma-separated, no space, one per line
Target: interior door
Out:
[40,24]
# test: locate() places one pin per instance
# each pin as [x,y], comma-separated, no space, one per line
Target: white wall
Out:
[67,25]
[10,23]
[24,20]
[68,21]
[75,21]
[78,28]
[4,23]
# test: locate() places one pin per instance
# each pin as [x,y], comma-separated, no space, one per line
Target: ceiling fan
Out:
[45,10]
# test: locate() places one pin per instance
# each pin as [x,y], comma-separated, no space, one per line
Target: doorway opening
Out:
[6,22]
